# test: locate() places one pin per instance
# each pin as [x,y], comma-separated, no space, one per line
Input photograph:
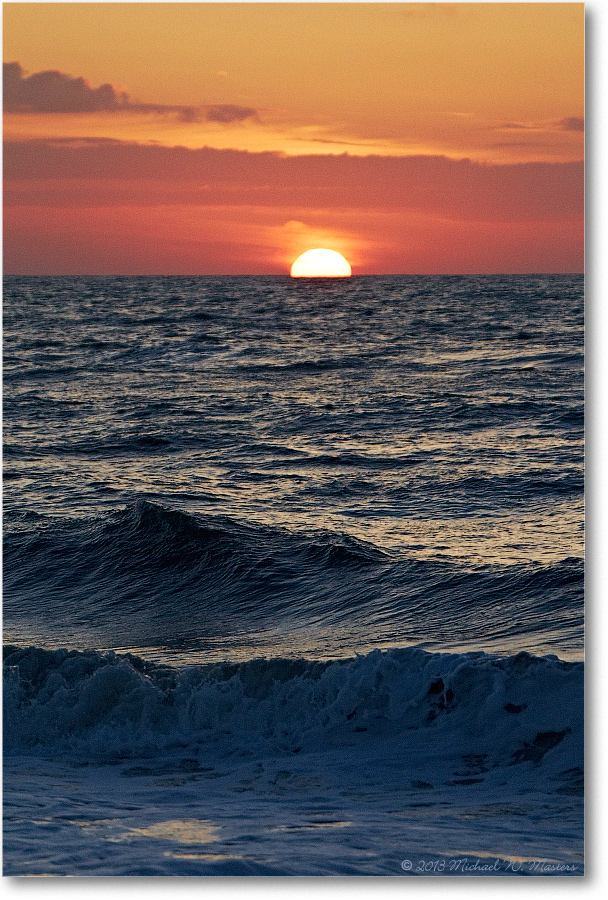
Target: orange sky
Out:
[208,138]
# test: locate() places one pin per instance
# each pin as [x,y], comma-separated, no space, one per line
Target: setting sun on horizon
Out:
[418,137]
[321,263]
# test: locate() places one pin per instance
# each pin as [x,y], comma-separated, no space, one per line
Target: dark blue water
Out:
[293,576]
[218,468]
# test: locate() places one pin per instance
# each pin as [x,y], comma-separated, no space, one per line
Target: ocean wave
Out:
[494,711]
[149,575]
[166,534]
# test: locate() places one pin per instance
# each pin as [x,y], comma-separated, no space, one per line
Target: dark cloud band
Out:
[52,92]
[91,171]
[55,92]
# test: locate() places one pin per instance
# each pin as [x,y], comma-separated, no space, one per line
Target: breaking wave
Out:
[501,711]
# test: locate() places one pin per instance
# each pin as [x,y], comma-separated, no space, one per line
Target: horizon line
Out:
[286,275]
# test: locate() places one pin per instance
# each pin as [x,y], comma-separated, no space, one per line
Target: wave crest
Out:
[149,576]
[511,710]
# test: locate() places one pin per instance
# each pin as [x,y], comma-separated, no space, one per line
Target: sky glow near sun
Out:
[229,138]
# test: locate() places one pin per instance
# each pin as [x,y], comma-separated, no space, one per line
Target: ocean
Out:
[293,576]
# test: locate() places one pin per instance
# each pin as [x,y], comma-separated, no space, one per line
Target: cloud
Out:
[107,206]
[95,172]
[226,113]
[56,92]
[572,123]
[523,144]
[515,126]
[52,91]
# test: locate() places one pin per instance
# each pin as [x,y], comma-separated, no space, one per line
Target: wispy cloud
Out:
[515,126]
[227,113]
[569,123]
[52,91]
[572,123]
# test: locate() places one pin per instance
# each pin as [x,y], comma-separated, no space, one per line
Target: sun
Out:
[321,264]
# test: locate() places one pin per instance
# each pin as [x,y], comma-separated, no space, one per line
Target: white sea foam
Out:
[293,767]
[511,709]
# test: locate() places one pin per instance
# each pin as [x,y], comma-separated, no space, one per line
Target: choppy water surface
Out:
[387,459]
[375,484]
